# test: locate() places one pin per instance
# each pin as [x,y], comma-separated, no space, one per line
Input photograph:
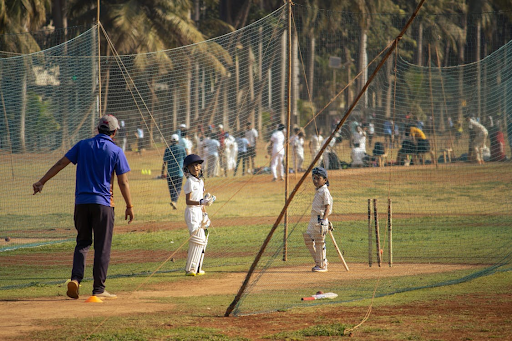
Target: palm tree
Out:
[142,26]
[18,17]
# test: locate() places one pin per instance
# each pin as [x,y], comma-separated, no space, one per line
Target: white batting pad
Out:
[310,244]
[196,246]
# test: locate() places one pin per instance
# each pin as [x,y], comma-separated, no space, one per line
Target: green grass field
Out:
[455,215]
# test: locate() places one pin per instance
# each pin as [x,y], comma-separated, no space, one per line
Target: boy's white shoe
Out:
[316,268]
[106,295]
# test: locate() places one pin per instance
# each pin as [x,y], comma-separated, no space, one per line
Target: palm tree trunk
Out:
[284,64]
[420,44]
[250,79]
[363,61]
[187,95]
[389,94]
[462,43]
[479,68]
[296,77]
[23,114]
[311,70]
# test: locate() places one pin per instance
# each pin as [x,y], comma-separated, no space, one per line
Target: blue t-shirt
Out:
[174,156]
[97,160]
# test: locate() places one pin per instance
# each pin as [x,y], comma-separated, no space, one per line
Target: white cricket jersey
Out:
[322,197]
[277,142]
[251,135]
[194,186]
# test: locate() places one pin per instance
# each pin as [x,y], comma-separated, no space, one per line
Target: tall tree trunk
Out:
[195,94]
[250,79]
[260,105]
[479,68]
[295,83]
[284,73]
[23,113]
[363,61]
[420,45]
[462,43]
[391,83]
[187,94]
[310,89]
[237,91]
[348,91]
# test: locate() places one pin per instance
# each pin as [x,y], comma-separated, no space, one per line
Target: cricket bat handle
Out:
[308,298]
[338,250]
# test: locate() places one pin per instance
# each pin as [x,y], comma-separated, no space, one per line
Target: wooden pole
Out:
[99,58]
[432,108]
[390,236]
[370,243]
[287,139]
[377,233]
[251,270]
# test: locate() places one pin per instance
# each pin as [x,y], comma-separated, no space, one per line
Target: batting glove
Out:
[206,221]
[205,201]
[210,198]
[324,225]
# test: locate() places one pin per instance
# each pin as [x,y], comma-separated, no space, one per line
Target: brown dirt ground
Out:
[472,317]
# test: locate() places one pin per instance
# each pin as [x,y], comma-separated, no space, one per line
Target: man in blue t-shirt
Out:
[173,159]
[97,159]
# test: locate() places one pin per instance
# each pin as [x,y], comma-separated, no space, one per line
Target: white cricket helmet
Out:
[175,137]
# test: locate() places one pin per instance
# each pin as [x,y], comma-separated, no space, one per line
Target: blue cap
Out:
[320,171]
[190,159]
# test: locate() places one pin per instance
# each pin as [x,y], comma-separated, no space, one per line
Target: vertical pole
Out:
[377,234]
[390,231]
[370,233]
[287,137]
[99,57]
[432,109]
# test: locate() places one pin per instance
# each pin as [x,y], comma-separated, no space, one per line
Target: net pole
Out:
[432,107]
[444,96]
[99,57]
[287,145]
[247,279]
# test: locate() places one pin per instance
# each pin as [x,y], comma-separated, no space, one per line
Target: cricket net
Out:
[450,218]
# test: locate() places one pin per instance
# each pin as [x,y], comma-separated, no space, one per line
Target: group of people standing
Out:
[221,151]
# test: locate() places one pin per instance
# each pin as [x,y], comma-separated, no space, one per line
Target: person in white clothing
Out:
[359,157]
[327,153]
[184,141]
[479,139]
[359,137]
[318,226]
[211,150]
[277,141]
[251,135]
[315,144]
[195,214]
[299,150]
[230,151]
[297,146]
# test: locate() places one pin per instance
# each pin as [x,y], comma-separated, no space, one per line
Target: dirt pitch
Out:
[478,316]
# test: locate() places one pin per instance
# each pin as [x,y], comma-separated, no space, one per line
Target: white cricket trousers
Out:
[277,162]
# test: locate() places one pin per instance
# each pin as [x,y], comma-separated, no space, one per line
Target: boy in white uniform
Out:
[195,214]
[318,226]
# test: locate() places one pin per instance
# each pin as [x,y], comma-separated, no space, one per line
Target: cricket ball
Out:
[7,239]
[319,292]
